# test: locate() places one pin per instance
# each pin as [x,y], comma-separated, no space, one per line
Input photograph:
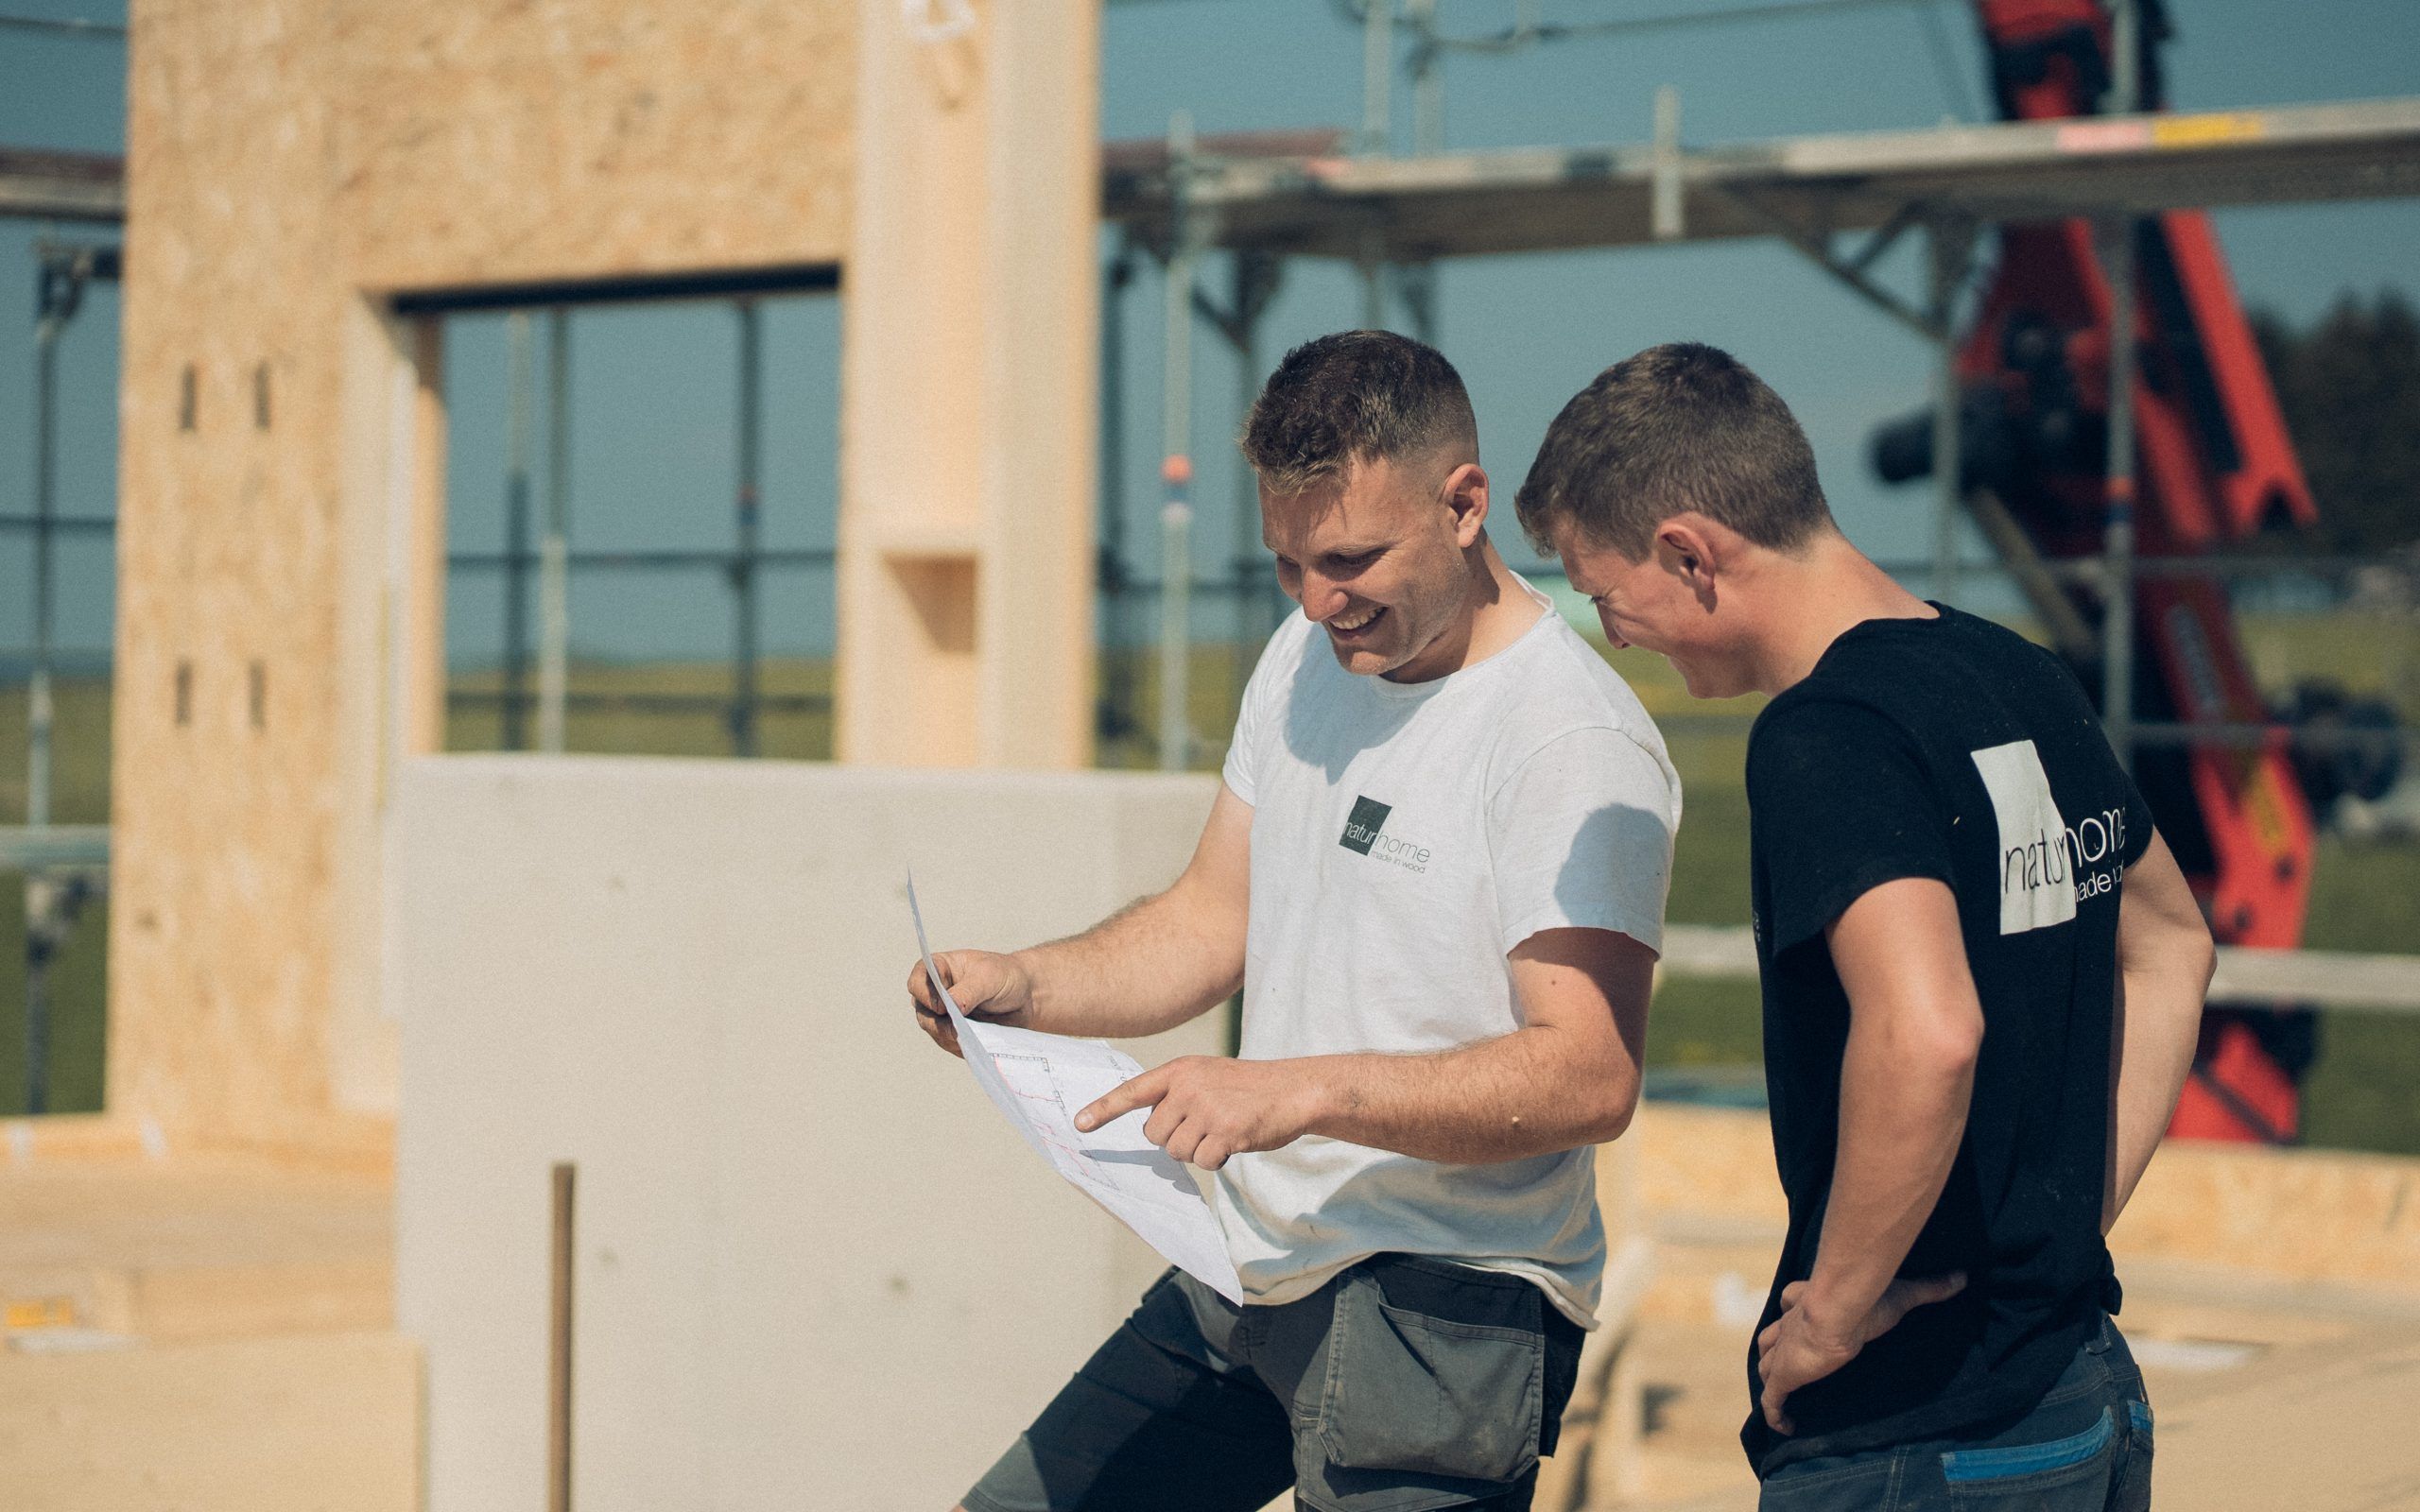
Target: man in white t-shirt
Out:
[1437,870]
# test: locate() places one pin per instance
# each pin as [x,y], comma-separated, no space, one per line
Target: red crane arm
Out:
[2214,464]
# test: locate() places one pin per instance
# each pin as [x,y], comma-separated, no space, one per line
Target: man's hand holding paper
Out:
[1038,1081]
[987,986]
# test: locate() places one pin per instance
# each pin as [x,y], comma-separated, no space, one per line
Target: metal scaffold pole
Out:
[56,303]
[1378,70]
[516,531]
[1427,80]
[1175,469]
[2117,236]
[59,295]
[1951,244]
[1377,125]
[2117,537]
[1372,266]
[554,548]
[1117,712]
[1247,488]
[745,617]
[1256,279]
[1418,281]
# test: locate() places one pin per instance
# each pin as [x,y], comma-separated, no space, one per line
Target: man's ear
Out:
[1465,493]
[1691,551]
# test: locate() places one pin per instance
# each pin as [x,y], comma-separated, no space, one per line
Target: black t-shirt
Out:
[1951,748]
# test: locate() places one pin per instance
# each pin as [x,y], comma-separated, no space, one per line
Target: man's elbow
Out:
[2182,960]
[1610,1119]
[1948,1044]
[2203,959]
[1615,1123]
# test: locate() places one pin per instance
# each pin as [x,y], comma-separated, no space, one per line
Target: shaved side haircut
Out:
[1678,427]
[1355,396]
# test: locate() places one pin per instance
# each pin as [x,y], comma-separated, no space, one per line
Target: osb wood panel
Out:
[226,554]
[966,426]
[2303,1214]
[285,154]
[498,142]
[202,1247]
[2291,1214]
[266,1425]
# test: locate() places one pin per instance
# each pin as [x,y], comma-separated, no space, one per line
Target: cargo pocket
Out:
[1408,1391]
[2024,1476]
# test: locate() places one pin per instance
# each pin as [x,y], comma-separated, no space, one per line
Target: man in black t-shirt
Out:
[1983,971]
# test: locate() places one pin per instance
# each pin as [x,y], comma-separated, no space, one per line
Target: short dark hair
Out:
[1677,427]
[1353,396]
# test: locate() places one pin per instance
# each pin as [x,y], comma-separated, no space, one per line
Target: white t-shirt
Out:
[1405,838]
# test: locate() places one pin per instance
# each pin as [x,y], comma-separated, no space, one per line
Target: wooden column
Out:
[968,393]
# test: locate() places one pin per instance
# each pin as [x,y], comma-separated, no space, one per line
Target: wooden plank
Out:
[263,1425]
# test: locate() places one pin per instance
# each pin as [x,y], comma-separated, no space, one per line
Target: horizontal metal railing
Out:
[651,703]
[2252,978]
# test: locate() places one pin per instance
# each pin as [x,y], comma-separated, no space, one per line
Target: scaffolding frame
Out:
[1843,201]
[550,558]
[66,867]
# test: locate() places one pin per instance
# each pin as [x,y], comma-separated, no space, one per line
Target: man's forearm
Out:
[2159,1021]
[1149,967]
[2164,963]
[1904,1096]
[1533,1091]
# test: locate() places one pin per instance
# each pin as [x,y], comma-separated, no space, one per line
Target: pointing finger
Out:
[1139,1092]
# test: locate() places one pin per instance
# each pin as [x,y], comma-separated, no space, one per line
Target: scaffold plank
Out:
[1296,192]
[1559,198]
[61,185]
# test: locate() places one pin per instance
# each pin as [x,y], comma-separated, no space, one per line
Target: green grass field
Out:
[2363,1093]
[80,794]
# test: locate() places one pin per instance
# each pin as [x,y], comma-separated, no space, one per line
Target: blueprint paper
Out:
[1039,1082]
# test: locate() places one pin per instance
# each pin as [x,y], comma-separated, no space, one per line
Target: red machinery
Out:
[2214,464]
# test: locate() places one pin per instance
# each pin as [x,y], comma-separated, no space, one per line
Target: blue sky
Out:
[654,426]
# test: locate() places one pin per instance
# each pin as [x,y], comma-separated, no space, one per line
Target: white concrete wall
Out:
[815,1269]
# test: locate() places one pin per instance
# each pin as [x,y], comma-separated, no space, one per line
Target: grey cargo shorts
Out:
[1405,1384]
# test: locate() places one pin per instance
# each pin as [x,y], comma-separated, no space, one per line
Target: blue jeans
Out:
[2084,1447]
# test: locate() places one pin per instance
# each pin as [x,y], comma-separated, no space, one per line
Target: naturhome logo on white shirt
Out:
[1365,832]
[2043,858]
